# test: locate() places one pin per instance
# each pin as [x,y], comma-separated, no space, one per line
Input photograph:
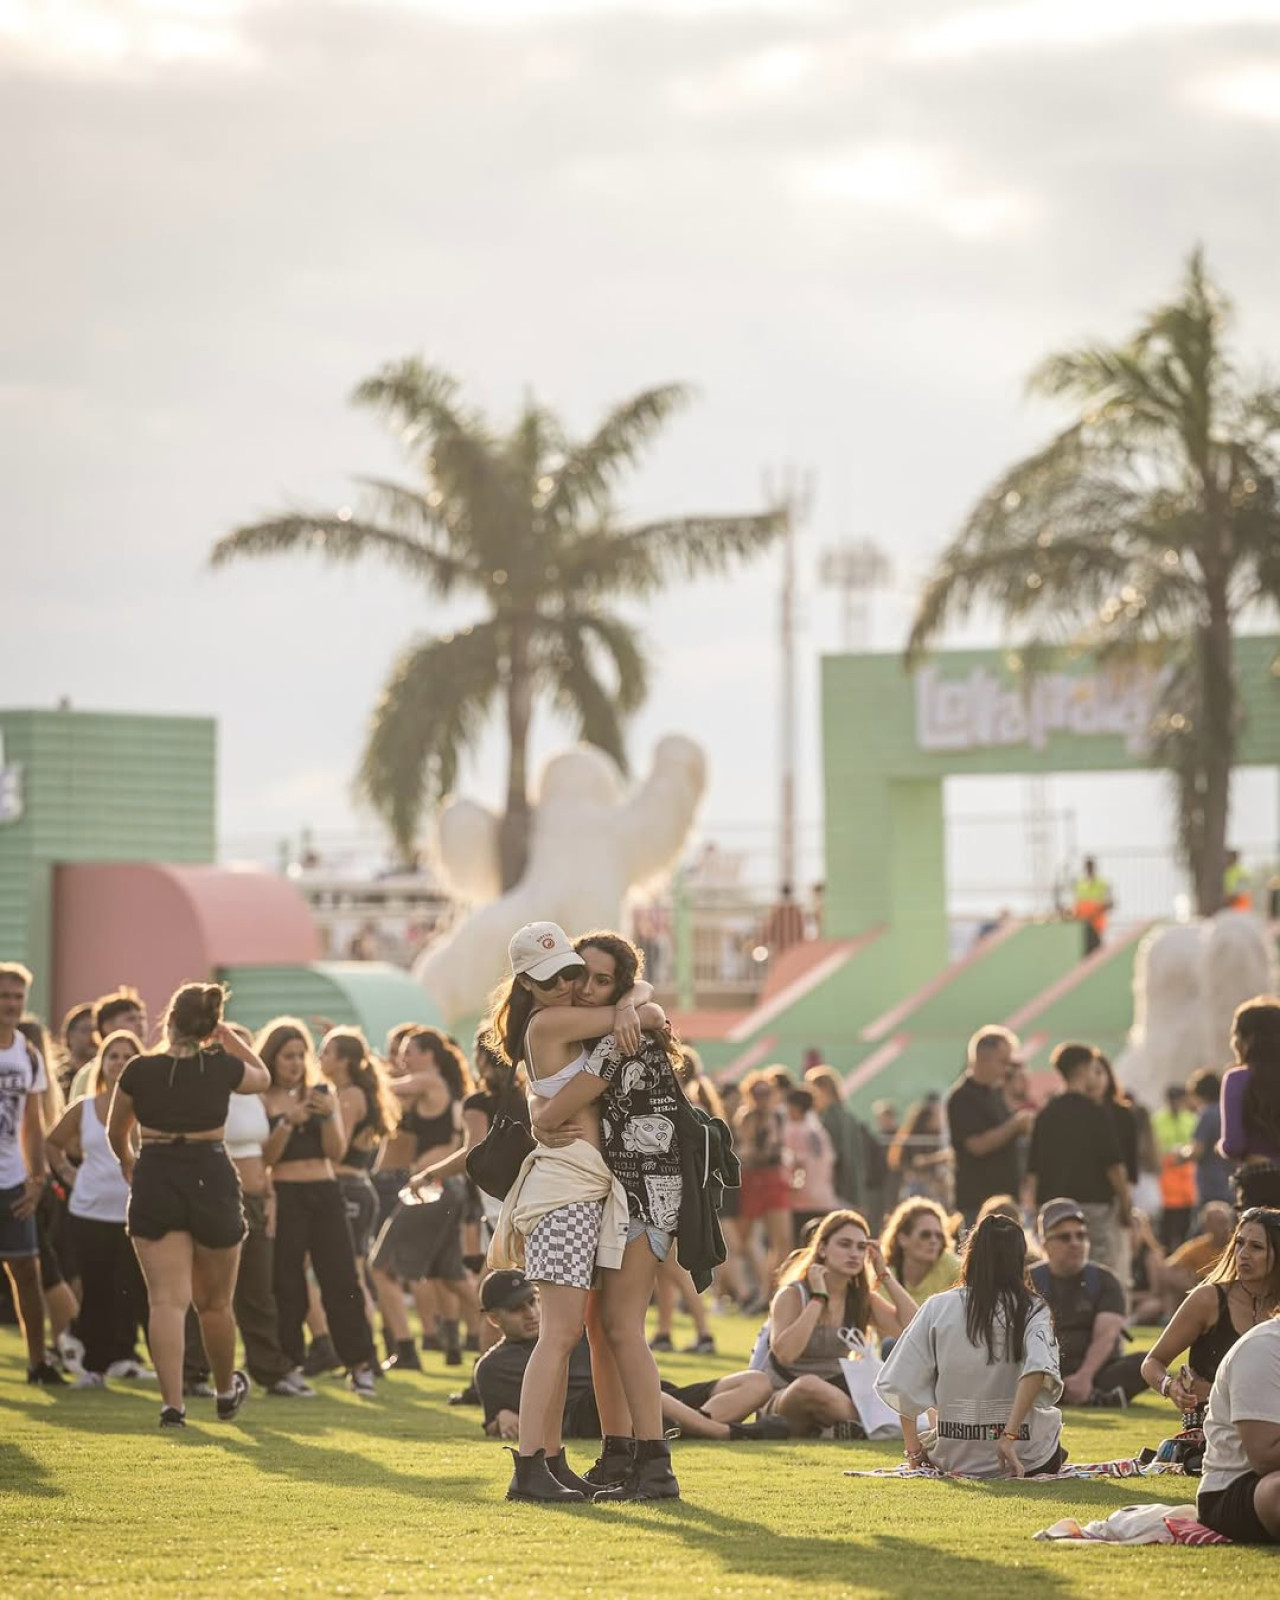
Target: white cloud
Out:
[1250,91]
[1037,24]
[107,35]
[917,182]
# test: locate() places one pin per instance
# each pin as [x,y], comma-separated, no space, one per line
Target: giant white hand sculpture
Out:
[590,843]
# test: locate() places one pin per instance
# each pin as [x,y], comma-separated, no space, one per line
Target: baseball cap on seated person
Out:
[540,950]
[1053,1212]
[505,1290]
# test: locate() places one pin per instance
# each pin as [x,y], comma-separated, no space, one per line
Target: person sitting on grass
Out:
[916,1244]
[984,1356]
[1088,1307]
[827,1291]
[1241,1291]
[1239,1491]
[714,1409]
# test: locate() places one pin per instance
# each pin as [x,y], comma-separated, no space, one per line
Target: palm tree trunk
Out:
[513,836]
[1218,745]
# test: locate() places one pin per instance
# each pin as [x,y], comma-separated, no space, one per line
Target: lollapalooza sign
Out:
[984,711]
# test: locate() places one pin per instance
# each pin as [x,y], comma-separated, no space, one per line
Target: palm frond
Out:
[579,693]
[589,471]
[342,540]
[640,560]
[432,709]
[620,643]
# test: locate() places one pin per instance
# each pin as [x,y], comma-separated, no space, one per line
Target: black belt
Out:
[181,1138]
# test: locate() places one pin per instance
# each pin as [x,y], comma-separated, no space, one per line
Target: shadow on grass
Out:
[886,1565]
[286,1455]
[21,1473]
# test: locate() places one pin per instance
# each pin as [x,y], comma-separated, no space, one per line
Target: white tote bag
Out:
[860,1369]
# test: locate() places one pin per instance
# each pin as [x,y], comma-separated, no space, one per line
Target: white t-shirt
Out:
[17,1081]
[1247,1389]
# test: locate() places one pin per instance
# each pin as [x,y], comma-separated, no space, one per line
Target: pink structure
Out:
[159,926]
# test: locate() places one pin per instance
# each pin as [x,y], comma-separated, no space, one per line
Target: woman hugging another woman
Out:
[568,1213]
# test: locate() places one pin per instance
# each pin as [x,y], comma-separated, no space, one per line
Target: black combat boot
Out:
[613,1464]
[532,1480]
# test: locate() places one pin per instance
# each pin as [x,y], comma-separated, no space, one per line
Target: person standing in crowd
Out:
[1242,1291]
[845,1132]
[640,1099]
[760,1137]
[915,1243]
[983,1357]
[59,1267]
[22,1169]
[563,1201]
[79,1045]
[185,1215]
[421,1242]
[920,1155]
[813,1163]
[827,1290]
[1107,1093]
[113,1296]
[1251,1103]
[784,926]
[984,1132]
[306,1138]
[1075,1152]
[122,1009]
[1213,1172]
[1174,1126]
[1239,1491]
[1088,1307]
[1237,890]
[370,1113]
[1093,904]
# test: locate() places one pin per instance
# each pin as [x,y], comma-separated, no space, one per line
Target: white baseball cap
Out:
[542,949]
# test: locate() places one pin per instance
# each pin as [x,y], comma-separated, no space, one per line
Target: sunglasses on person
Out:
[565,975]
[1076,1236]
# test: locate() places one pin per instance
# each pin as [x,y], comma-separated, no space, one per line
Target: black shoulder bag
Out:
[493,1164]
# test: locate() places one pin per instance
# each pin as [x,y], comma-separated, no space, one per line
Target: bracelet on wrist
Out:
[1166,1383]
[1012,1437]
[819,1294]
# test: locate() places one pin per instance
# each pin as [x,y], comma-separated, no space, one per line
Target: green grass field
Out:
[404,1496]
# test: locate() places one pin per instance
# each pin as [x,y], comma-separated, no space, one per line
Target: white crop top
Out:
[247,1126]
[548,1088]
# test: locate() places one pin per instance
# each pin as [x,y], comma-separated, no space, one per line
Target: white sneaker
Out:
[292,1387]
[90,1380]
[131,1369]
[72,1352]
[362,1383]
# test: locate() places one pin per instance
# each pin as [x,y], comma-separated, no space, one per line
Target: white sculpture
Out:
[590,843]
[1187,982]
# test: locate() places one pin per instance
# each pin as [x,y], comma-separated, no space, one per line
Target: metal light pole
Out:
[795,501]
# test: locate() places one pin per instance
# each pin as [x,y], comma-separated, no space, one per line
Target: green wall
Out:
[97,786]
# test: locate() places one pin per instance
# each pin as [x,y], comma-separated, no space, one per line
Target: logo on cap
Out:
[547,941]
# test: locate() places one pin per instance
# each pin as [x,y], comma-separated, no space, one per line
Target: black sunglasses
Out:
[557,978]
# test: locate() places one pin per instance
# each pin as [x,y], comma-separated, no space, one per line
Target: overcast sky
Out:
[853,226]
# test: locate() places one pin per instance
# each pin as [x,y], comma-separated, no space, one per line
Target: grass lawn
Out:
[403,1496]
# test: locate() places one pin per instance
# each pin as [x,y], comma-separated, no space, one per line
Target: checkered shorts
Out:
[562,1247]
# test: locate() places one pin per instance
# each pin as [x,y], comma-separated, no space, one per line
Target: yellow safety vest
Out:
[1235,888]
[1092,898]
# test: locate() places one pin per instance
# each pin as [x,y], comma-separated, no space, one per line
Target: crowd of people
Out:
[293,1192]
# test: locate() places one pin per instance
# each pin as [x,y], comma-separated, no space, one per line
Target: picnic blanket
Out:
[1128,1468]
[1132,1525]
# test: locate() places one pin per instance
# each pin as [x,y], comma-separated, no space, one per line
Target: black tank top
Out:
[1207,1353]
[428,1132]
[303,1144]
[361,1157]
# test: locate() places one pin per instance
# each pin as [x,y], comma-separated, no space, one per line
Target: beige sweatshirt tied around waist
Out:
[549,1179]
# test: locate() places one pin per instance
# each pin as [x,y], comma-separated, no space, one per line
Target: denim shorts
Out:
[18,1238]
[660,1241]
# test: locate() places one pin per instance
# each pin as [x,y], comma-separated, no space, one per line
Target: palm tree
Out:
[1148,526]
[527,522]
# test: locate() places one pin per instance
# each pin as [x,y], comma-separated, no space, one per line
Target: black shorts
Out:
[360,1201]
[187,1188]
[1231,1512]
[58,1262]
[693,1395]
[424,1240]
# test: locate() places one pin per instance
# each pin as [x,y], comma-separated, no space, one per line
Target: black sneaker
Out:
[173,1417]
[704,1345]
[229,1404]
[453,1357]
[466,1397]
[1108,1399]
[44,1375]
[661,1341]
[321,1357]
